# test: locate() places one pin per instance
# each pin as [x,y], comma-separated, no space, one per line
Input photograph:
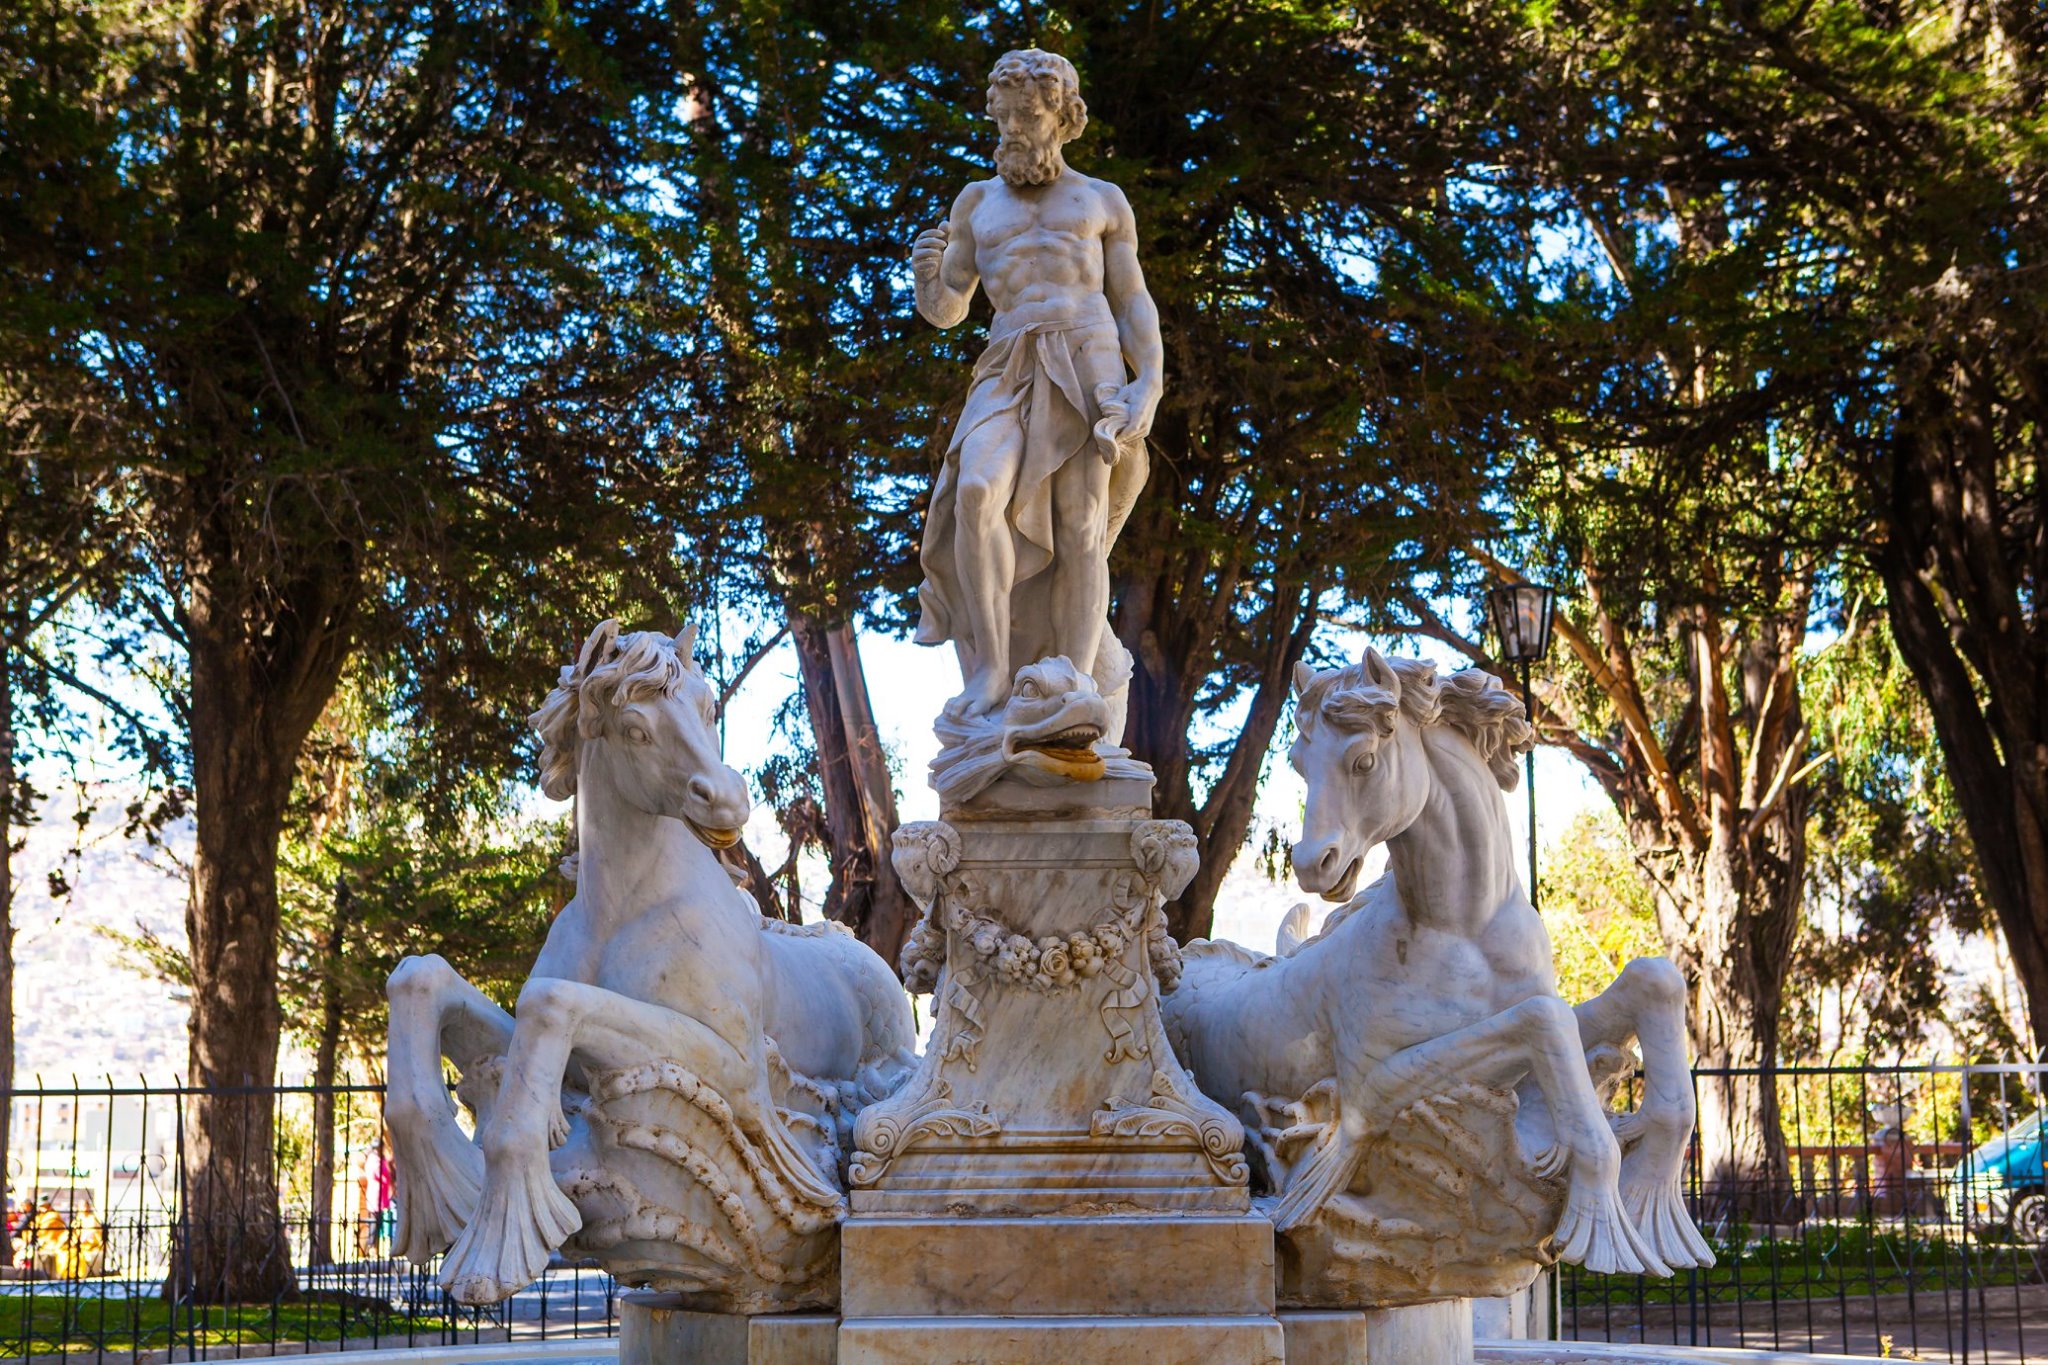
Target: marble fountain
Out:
[1113,1147]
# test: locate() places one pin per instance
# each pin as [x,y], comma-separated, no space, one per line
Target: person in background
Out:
[366,1221]
[387,1221]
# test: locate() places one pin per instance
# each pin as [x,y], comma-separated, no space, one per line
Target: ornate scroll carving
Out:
[885,1135]
[1166,1113]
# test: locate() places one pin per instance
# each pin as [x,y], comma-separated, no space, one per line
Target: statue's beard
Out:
[1021,161]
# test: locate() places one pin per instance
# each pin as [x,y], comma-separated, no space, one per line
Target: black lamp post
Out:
[1521,615]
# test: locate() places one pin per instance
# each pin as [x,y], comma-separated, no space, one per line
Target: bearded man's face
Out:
[1027,105]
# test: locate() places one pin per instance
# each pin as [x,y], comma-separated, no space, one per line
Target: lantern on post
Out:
[1522,615]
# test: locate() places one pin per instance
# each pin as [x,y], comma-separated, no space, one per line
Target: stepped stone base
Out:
[1423,1334]
[1104,1265]
[657,1329]
[1212,1340]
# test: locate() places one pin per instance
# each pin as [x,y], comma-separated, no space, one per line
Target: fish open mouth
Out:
[720,839]
[1075,744]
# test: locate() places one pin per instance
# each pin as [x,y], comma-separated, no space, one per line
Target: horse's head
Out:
[1359,748]
[1362,750]
[653,717]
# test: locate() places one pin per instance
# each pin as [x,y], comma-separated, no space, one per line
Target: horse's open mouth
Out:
[1347,885]
[720,839]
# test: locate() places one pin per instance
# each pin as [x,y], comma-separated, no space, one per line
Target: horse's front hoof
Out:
[1594,1232]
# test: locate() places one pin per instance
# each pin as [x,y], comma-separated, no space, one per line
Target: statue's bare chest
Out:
[1007,221]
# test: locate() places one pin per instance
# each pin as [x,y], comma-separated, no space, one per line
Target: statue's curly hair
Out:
[1471,700]
[1073,109]
[611,670]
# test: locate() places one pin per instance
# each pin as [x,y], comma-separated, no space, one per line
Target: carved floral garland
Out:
[1051,964]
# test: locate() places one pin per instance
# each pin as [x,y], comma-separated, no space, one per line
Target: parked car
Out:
[2003,1185]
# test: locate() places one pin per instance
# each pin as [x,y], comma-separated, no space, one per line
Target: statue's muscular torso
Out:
[1039,248]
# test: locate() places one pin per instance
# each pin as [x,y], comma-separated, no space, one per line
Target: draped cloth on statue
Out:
[1043,380]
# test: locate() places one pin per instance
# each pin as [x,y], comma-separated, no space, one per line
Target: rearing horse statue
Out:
[694,1068]
[1410,1072]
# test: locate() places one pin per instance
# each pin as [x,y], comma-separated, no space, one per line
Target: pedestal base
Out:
[1107,1287]
[657,1329]
[1097,1266]
[1425,1334]
[1062,1341]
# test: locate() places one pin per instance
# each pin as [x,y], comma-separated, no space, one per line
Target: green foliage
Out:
[1597,905]
[480,894]
[1890,865]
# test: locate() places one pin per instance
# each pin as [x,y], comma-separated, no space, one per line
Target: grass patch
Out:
[1821,1261]
[34,1324]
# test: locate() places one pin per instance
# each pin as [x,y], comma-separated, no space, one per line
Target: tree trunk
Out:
[860,800]
[1989,733]
[264,664]
[1174,637]
[325,1057]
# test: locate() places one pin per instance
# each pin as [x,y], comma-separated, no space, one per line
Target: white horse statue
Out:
[694,1068]
[1424,1104]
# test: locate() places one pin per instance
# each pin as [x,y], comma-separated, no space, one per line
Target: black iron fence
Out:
[100,1225]
[1885,1210]
[1898,1210]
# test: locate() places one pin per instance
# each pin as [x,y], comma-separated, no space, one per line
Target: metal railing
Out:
[1903,1213]
[97,1208]
[1903,1210]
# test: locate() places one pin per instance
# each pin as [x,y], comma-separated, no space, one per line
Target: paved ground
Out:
[2005,1326]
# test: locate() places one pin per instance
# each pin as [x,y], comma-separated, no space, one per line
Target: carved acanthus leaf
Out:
[885,1134]
[1168,1115]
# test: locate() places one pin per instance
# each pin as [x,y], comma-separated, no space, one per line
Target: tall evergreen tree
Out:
[362,290]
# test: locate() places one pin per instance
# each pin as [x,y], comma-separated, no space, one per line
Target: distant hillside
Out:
[77,1009]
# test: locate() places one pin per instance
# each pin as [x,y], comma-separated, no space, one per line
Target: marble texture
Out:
[1209,1340]
[1053,732]
[660,1329]
[675,1092]
[1048,455]
[1094,1265]
[1047,1085]
[1423,1109]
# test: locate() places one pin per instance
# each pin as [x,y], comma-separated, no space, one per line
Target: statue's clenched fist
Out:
[930,252]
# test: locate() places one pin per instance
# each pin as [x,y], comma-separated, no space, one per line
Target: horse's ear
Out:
[686,642]
[598,645]
[1303,676]
[1379,671]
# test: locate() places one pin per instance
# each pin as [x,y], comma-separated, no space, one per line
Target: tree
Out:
[350,283]
[388,883]
[1338,324]
[1889,165]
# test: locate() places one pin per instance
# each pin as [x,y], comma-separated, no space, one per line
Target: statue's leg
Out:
[439,1170]
[986,555]
[522,1215]
[1647,1003]
[1080,564]
[1537,1037]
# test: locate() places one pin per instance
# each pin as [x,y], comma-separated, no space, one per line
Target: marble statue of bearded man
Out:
[1048,456]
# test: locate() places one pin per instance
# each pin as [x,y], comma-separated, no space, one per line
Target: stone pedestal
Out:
[1051,1186]
[1048,1085]
[660,1329]
[1424,1334]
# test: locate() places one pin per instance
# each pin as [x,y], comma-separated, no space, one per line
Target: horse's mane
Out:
[1471,701]
[612,670]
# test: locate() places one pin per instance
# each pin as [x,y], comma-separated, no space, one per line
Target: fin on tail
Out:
[1294,930]
[789,1161]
